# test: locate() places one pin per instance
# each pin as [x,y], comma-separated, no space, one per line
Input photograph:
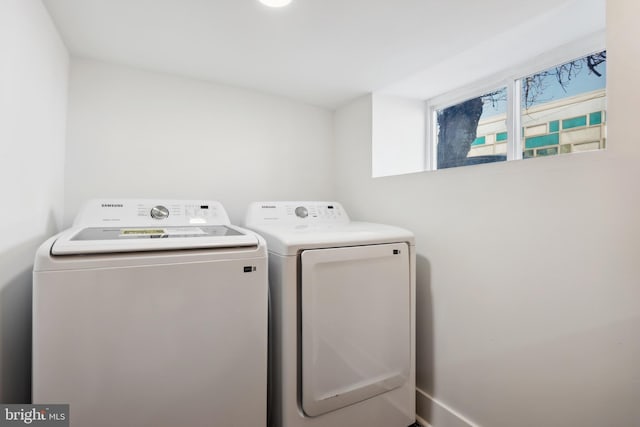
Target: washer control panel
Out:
[296,213]
[149,212]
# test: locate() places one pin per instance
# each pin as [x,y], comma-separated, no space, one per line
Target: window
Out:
[461,140]
[556,111]
[563,107]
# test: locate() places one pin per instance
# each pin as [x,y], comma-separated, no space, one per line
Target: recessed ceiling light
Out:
[275,3]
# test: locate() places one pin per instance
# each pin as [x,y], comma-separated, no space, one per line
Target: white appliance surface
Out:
[343,316]
[105,226]
[288,230]
[152,336]
[355,324]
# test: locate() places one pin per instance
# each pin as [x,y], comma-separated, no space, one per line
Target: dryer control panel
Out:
[296,213]
[151,212]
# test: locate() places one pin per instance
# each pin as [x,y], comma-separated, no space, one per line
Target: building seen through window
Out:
[562,110]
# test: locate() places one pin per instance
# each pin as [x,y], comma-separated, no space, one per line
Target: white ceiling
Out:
[324,52]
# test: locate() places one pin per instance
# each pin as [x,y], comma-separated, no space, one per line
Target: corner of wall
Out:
[34,111]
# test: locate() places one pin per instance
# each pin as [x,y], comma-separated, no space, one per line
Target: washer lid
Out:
[94,240]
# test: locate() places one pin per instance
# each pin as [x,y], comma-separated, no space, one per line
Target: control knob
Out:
[301,212]
[159,212]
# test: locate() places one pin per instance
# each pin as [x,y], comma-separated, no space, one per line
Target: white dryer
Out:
[343,317]
[152,313]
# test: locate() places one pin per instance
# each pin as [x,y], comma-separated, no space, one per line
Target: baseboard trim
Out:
[437,414]
[422,422]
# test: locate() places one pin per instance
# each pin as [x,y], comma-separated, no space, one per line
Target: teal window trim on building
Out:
[479,141]
[501,136]
[574,122]
[554,126]
[551,151]
[542,140]
[595,118]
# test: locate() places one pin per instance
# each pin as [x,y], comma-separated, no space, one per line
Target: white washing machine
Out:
[152,313]
[343,317]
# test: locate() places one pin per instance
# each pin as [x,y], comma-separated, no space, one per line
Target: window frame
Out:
[510,78]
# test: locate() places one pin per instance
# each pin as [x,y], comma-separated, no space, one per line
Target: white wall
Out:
[398,135]
[528,272]
[134,133]
[33,98]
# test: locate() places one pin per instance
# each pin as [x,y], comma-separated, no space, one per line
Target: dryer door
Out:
[355,326]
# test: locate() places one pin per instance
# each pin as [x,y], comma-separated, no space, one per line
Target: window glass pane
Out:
[564,108]
[473,131]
